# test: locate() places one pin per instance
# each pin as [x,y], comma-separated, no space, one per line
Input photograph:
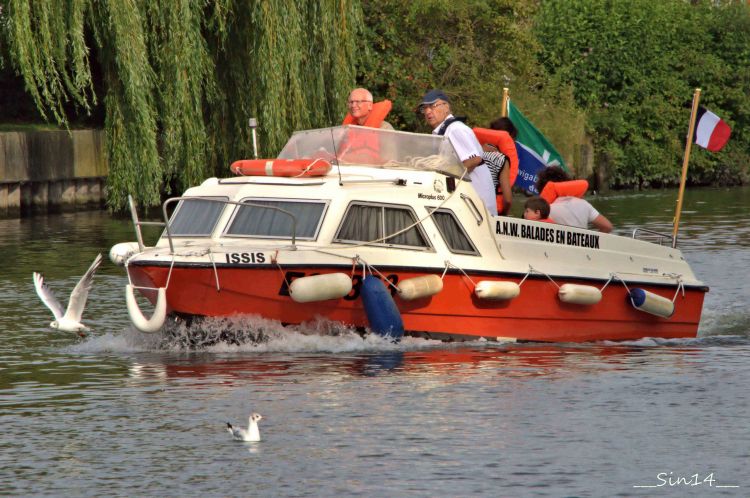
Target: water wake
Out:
[252,334]
[259,335]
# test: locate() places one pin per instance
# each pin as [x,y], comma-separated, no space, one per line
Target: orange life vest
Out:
[571,188]
[504,143]
[281,167]
[376,117]
[361,146]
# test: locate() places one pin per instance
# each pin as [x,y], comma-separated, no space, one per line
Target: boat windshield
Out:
[362,146]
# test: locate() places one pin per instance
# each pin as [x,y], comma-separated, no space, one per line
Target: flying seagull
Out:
[252,434]
[68,320]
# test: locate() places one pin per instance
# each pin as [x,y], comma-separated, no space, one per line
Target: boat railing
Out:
[653,236]
[138,223]
[223,201]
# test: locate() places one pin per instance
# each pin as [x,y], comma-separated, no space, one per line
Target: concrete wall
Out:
[50,171]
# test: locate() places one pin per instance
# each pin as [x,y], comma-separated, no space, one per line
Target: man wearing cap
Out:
[436,109]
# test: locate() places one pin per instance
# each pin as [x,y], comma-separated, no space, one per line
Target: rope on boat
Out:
[399,232]
[368,267]
[309,166]
[275,260]
[216,272]
[652,303]
[676,276]
[448,264]
[534,270]
[680,285]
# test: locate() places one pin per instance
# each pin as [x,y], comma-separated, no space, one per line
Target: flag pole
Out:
[685,160]
[504,105]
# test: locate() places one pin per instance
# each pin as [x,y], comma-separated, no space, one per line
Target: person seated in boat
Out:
[436,109]
[537,209]
[568,209]
[501,158]
[363,111]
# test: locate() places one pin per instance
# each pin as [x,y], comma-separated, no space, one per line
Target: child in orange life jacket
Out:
[536,209]
[501,158]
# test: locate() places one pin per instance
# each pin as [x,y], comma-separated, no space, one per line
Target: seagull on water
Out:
[70,319]
[251,434]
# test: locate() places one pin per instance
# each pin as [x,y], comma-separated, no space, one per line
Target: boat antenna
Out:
[253,124]
[336,156]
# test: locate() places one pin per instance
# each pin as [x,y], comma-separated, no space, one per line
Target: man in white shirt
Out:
[436,109]
[571,211]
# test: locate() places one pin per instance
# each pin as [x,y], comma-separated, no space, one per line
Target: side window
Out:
[276,219]
[368,222]
[452,232]
[196,217]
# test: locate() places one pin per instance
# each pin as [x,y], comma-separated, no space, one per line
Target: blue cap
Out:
[433,96]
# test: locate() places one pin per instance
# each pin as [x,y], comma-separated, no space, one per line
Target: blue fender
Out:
[381,310]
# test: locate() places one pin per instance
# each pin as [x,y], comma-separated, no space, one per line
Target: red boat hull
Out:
[537,314]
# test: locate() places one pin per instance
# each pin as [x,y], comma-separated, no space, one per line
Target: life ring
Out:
[571,188]
[281,167]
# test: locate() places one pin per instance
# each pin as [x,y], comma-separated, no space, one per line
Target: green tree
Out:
[633,66]
[471,49]
[181,78]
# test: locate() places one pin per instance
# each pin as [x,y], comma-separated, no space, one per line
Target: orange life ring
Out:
[281,167]
[376,117]
[571,188]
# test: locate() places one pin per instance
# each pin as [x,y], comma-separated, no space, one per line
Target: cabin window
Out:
[453,233]
[196,217]
[265,218]
[366,222]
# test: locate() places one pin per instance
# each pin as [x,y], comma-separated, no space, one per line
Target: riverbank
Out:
[51,171]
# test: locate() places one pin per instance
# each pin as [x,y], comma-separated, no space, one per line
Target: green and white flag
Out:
[535,152]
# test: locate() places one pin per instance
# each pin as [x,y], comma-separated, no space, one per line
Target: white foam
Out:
[253,334]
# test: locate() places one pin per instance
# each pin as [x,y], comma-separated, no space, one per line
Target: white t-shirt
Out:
[467,146]
[573,212]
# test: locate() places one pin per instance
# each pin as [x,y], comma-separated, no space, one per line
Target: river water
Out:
[123,414]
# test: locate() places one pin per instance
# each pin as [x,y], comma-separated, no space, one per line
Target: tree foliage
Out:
[181,78]
[471,49]
[633,66]
[178,80]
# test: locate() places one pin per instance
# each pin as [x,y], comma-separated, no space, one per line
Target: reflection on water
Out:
[127,414]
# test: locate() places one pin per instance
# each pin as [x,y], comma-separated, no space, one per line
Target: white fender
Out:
[579,294]
[488,289]
[422,286]
[320,287]
[651,303]
[140,322]
[121,252]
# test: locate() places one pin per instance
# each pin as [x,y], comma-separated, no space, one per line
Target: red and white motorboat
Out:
[293,239]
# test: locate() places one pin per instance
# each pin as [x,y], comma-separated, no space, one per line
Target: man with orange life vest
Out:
[566,205]
[364,112]
[436,109]
[361,146]
[500,155]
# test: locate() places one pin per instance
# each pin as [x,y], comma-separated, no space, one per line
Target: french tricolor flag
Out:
[710,131]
